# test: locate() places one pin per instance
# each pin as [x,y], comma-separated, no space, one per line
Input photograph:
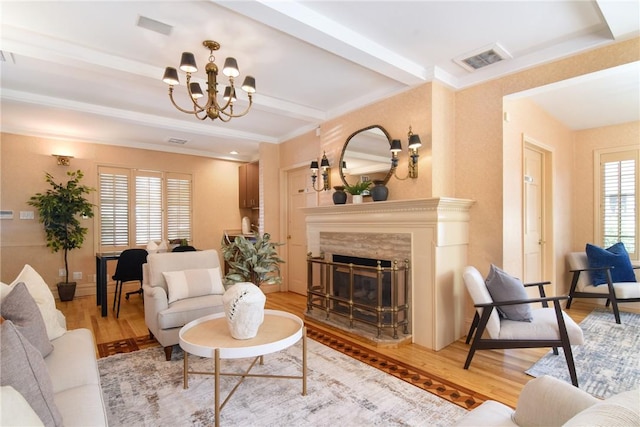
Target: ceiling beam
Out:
[305,24]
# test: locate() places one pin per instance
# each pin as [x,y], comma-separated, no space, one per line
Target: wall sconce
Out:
[63,160]
[414,145]
[324,165]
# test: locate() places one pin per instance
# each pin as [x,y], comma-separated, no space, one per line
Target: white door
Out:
[533,215]
[298,197]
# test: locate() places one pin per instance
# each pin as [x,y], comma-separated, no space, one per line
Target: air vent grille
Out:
[177,141]
[482,57]
[153,25]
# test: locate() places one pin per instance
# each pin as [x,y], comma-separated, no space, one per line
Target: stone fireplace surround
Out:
[432,233]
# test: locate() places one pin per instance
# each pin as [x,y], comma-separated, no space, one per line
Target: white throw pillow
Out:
[152,247]
[193,283]
[40,292]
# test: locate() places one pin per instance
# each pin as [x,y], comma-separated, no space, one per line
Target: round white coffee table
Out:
[209,337]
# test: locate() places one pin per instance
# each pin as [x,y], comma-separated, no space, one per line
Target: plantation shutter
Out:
[619,203]
[114,207]
[179,207]
[148,207]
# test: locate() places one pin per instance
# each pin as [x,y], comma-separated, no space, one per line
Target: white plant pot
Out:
[244,309]
[357,198]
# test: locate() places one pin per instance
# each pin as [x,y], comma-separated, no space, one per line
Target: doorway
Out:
[537,222]
[298,196]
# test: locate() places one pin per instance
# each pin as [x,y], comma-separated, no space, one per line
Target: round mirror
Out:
[366,157]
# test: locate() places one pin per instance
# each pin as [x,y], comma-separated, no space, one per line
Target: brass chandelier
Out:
[212,108]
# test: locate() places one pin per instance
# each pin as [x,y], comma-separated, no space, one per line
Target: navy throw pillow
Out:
[615,256]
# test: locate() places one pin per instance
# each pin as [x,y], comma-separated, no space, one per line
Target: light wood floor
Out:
[498,374]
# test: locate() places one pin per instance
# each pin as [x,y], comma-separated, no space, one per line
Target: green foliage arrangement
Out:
[59,208]
[256,262]
[358,188]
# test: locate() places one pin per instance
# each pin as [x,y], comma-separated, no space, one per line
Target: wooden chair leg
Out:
[474,325]
[167,352]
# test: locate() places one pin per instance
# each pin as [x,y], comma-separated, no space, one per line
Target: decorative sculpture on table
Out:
[244,309]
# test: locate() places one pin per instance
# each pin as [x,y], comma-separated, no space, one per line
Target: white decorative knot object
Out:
[244,309]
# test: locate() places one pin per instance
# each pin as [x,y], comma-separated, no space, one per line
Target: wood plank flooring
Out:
[498,374]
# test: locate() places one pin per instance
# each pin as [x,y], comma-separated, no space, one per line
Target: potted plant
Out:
[357,190]
[58,209]
[254,259]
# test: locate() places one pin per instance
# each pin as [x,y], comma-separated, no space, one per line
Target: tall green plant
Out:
[256,262]
[59,208]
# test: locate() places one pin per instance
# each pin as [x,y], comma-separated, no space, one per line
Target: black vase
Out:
[379,192]
[339,197]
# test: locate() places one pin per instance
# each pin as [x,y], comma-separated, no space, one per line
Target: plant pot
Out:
[379,192]
[66,291]
[357,199]
[339,197]
[244,310]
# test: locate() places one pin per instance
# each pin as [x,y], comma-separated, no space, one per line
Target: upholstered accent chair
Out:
[180,287]
[545,327]
[582,285]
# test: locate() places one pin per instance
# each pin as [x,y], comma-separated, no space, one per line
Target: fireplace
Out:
[432,234]
[361,291]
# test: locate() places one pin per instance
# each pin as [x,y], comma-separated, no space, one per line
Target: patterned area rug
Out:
[141,388]
[608,362]
[440,387]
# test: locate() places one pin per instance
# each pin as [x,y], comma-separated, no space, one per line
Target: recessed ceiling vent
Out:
[153,25]
[177,141]
[7,57]
[482,57]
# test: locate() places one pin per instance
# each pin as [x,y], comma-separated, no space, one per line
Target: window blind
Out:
[618,206]
[114,207]
[179,208]
[148,207]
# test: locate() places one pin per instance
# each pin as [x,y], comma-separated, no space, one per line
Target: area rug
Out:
[143,389]
[608,362]
[441,387]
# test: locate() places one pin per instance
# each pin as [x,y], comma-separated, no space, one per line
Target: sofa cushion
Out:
[184,311]
[615,256]
[622,409]
[20,307]
[193,283]
[41,293]
[90,413]
[175,261]
[504,287]
[24,369]
[489,414]
[16,411]
[73,360]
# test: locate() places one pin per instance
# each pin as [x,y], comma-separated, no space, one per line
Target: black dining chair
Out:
[128,269]
[185,248]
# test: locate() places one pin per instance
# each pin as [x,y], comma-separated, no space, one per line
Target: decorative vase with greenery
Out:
[58,209]
[254,259]
[357,190]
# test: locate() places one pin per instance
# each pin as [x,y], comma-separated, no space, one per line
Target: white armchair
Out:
[170,306]
[548,327]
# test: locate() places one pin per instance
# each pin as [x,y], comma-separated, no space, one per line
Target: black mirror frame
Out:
[344,149]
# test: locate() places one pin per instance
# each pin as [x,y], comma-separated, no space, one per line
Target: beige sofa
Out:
[199,292]
[49,374]
[548,402]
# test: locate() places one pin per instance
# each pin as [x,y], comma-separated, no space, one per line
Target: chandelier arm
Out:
[231,115]
[180,108]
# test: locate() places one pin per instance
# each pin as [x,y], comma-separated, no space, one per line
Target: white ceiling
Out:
[84,70]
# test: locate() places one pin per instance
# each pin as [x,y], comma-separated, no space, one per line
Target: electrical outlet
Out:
[77,275]
[62,272]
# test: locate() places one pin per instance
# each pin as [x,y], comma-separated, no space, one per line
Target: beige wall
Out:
[24,161]
[481,155]
[587,142]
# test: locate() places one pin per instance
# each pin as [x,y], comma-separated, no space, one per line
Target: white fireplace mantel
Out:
[439,230]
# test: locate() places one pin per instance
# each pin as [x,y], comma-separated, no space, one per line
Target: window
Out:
[618,201]
[139,206]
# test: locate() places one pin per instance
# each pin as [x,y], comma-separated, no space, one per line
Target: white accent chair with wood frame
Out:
[548,327]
